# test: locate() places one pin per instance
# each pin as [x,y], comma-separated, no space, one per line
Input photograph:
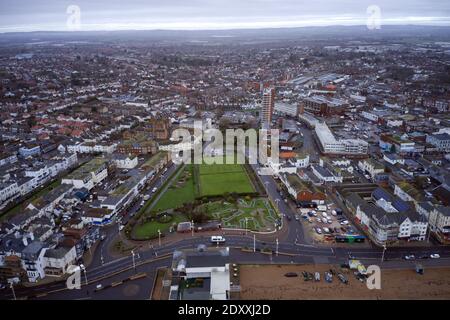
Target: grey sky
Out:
[33,15]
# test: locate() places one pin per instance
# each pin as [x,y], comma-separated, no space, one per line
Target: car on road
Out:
[217,239]
[146,197]
[435,256]
[154,189]
[297,216]
[409,257]
[121,227]
[99,286]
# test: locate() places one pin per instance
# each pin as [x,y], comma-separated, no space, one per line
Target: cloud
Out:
[214,14]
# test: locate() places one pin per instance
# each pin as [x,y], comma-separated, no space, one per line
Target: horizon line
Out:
[447,25]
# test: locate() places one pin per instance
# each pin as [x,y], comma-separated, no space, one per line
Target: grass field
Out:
[150,229]
[217,179]
[180,191]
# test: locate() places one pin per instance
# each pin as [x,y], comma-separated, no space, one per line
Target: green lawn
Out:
[180,191]
[217,179]
[217,184]
[150,229]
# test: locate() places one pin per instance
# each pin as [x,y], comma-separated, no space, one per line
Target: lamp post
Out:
[159,237]
[192,227]
[134,262]
[83,268]
[384,250]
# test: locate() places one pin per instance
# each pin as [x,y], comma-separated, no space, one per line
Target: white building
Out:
[286,108]
[57,260]
[372,166]
[92,148]
[8,190]
[88,175]
[439,220]
[370,116]
[125,162]
[8,158]
[440,141]
[393,158]
[325,175]
[329,143]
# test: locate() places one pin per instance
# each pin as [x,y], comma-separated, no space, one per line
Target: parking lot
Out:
[325,222]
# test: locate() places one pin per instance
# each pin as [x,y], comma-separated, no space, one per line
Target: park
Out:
[221,192]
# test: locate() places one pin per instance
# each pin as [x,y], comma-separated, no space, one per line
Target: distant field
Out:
[217,179]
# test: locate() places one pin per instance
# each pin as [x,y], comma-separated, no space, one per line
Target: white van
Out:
[216,239]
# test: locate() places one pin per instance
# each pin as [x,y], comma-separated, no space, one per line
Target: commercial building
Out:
[329,144]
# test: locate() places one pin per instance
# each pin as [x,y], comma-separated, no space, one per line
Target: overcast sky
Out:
[37,15]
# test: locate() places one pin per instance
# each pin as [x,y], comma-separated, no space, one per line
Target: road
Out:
[119,269]
[111,232]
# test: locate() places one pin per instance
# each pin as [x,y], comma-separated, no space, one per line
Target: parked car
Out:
[291,274]
[319,231]
[409,257]
[435,256]
[154,189]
